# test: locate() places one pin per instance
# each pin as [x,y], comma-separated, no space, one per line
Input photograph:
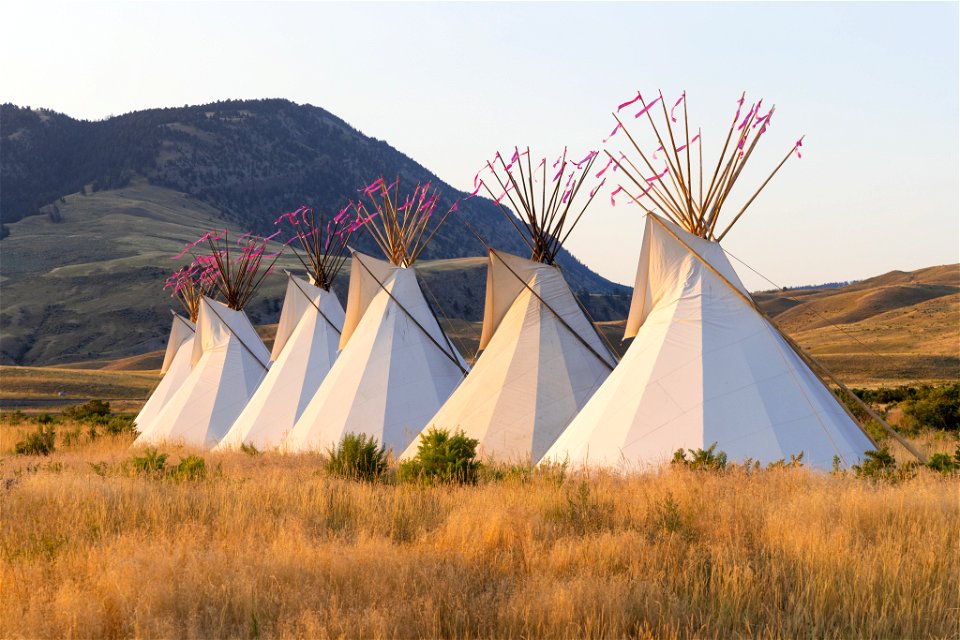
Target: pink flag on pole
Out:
[613,201]
[593,191]
[677,104]
[659,176]
[626,104]
[648,107]
[614,132]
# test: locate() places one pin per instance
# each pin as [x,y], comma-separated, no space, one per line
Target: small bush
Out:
[934,408]
[37,443]
[249,449]
[701,459]
[46,418]
[796,461]
[151,463]
[945,463]
[119,425]
[443,458]
[190,468]
[88,411]
[358,457]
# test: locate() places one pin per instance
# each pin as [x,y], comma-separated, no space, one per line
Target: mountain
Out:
[249,159]
[92,211]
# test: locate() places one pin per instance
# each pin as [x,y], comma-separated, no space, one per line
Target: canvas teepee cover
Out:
[229,362]
[175,369]
[395,369]
[704,367]
[542,360]
[305,348]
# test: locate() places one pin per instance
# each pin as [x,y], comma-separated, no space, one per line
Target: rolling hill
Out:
[895,328]
[92,211]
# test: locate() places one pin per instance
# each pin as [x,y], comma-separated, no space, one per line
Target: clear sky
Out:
[873,86]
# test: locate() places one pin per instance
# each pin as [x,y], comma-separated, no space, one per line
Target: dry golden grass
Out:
[269,545]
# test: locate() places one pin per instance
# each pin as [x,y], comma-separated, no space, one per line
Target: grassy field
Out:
[272,546]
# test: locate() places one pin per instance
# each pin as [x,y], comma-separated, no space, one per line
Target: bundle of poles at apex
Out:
[236,273]
[323,241]
[400,230]
[190,283]
[692,203]
[547,212]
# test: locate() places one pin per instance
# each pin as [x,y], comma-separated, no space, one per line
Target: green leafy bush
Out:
[88,411]
[358,457]
[151,463]
[118,425]
[796,461]
[934,408]
[443,458]
[190,468]
[37,443]
[708,459]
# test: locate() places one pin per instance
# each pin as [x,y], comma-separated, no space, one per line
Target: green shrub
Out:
[701,459]
[37,443]
[934,408]
[442,458]
[944,462]
[190,468]
[796,461]
[151,463]
[46,418]
[358,457]
[88,411]
[118,425]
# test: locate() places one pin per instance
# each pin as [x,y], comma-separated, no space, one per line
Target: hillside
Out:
[894,328]
[89,286]
[248,159]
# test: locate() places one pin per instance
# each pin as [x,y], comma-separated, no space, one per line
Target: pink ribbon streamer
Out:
[593,191]
[613,201]
[692,140]
[604,170]
[676,104]
[658,176]
[614,132]
[626,104]
[797,146]
[648,107]
[585,160]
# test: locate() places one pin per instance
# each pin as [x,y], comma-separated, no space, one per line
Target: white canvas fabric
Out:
[229,362]
[391,376]
[175,369]
[704,367]
[299,368]
[534,374]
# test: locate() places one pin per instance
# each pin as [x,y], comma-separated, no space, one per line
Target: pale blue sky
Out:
[873,86]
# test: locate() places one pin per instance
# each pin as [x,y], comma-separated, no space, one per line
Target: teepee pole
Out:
[800,351]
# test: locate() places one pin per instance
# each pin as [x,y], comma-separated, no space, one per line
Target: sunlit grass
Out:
[270,545]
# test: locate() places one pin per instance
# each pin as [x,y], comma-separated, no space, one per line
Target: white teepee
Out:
[395,369]
[175,369]
[305,348]
[704,367]
[229,362]
[542,360]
